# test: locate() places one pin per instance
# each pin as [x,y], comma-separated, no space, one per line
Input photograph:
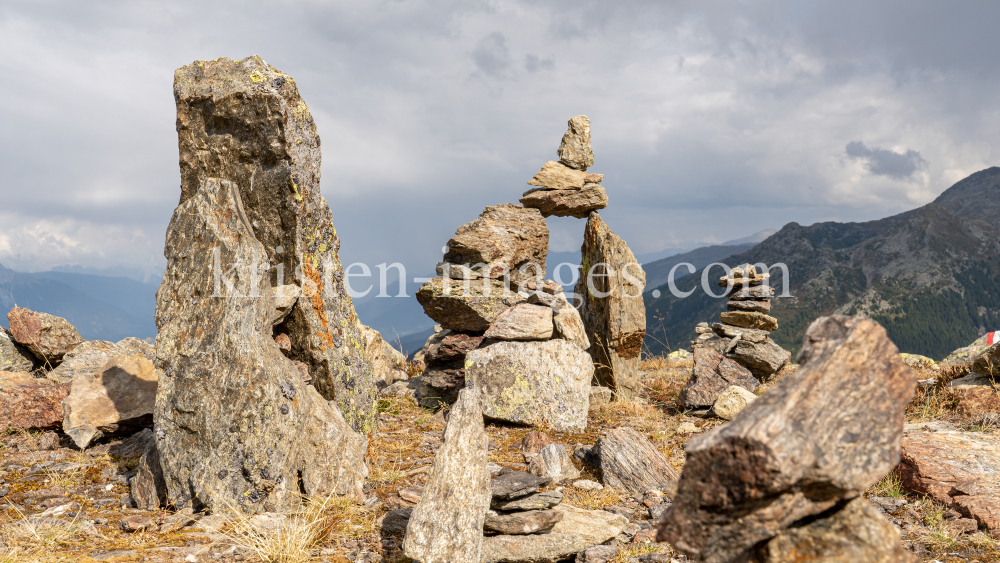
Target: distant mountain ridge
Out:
[931,275]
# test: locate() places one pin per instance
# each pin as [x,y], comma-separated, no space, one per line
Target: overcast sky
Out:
[710,120]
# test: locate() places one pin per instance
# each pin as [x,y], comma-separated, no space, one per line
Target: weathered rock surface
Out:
[448,346]
[385,360]
[520,523]
[964,356]
[758,306]
[466,307]
[119,396]
[523,321]
[534,441]
[567,203]
[221,440]
[29,404]
[748,334]
[557,176]
[537,383]
[749,319]
[630,462]
[713,373]
[542,548]
[857,533]
[595,526]
[613,313]
[820,436]
[447,523]
[439,383]
[13,356]
[87,358]
[566,320]
[731,402]
[600,396]
[47,336]
[958,469]
[516,484]
[761,358]
[395,521]
[740,293]
[504,240]
[553,461]
[574,150]
[988,362]
[148,487]
[245,122]
[534,501]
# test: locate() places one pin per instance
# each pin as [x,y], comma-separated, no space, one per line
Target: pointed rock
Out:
[574,150]
[503,241]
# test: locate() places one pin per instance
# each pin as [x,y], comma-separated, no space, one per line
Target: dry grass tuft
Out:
[593,499]
[932,403]
[631,552]
[888,486]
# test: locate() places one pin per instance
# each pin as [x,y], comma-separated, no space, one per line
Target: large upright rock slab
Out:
[545,384]
[446,526]
[244,121]
[120,394]
[47,336]
[612,310]
[821,436]
[234,422]
[503,240]
[630,462]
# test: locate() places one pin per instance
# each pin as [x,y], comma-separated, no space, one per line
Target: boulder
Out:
[244,121]
[541,548]
[47,336]
[522,322]
[520,523]
[630,462]
[763,306]
[962,358]
[713,373]
[29,404]
[819,437]
[439,384]
[553,461]
[118,396]
[614,316]
[567,203]
[516,484]
[221,441]
[958,469]
[148,487]
[13,356]
[544,384]
[448,346]
[857,533]
[731,401]
[385,360]
[557,176]
[988,361]
[574,150]
[534,441]
[534,501]
[761,358]
[466,307]
[87,358]
[749,319]
[504,240]
[595,526]
[447,523]
[566,320]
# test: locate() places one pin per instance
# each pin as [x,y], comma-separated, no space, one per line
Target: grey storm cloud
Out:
[882,162]
[491,55]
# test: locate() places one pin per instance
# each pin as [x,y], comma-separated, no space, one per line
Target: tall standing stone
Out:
[244,121]
[574,150]
[446,526]
[234,423]
[612,310]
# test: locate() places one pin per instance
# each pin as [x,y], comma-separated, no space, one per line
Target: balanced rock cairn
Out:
[564,188]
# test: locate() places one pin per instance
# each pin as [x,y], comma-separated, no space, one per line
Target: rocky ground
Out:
[61,504]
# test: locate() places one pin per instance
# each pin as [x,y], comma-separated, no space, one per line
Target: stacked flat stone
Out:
[564,188]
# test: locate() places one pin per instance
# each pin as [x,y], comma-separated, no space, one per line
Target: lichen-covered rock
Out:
[630,462]
[740,293]
[47,336]
[713,373]
[748,334]
[13,356]
[557,176]
[567,203]
[449,346]
[988,362]
[118,396]
[30,404]
[731,402]
[963,356]
[538,383]
[87,358]
[234,422]
[612,310]
[516,484]
[523,321]
[244,121]
[447,524]
[537,548]
[469,307]
[574,150]
[566,320]
[502,242]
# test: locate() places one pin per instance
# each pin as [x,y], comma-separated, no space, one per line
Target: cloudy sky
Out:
[711,120]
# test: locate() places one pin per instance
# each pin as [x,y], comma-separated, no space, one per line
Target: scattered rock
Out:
[597,554]
[613,312]
[595,526]
[148,487]
[136,523]
[835,427]
[119,395]
[503,241]
[520,523]
[447,523]
[656,511]
[688,428]
[567,203]
[553,461]
[26,405]
[47,336]
[557,176]
[534,441]
[48,441]
[761,358]
[731,402]
[534,501]
[630,462]
[178,521]
[587,485]
[522,322]
[538,383]
[713,373]
[89,357]
[13,356]
[988,362]
[574,150]
[516,484]
[541,548]
[395,521]
[469,307]
[411,493]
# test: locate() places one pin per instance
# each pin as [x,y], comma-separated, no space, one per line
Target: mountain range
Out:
[930,275]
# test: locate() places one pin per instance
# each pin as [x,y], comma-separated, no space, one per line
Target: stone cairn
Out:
[732,357]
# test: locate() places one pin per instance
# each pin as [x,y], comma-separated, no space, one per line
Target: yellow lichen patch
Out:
[256,76]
